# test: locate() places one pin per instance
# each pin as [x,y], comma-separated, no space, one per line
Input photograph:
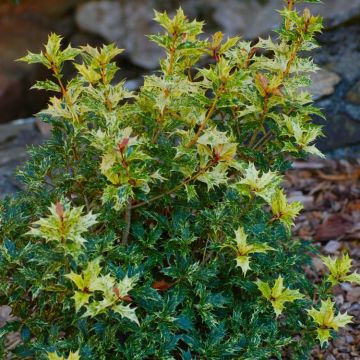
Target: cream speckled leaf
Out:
[261,185]
[64,224]
[127,312]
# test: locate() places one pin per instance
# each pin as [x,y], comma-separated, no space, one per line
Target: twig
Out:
[175,188]
[126,231]
[204,123]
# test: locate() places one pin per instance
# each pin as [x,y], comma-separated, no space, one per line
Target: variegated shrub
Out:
[153,224]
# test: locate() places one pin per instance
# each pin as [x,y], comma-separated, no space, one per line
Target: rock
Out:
[340,130]
[132,85]
[339,299]
[349,339]
[353,295]
[335,226]
[332,247]
[353,111]
[15,137]
[344,18]
[232,15]
[353,94]
[102,18]
[52,8]
[251,18]
[330,357]
[44,128]
[5,314]
[346,286]
[323,83]
[125,23]
[8,132]
[26,27]
[306,200]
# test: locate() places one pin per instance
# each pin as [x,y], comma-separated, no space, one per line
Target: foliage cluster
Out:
[153,224]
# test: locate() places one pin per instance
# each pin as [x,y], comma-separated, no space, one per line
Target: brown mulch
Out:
[330,192]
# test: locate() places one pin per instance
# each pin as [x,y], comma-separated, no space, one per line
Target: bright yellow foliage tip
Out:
[282,210]
[326,320]
[243,249]
[72,356]
[340,270]
[64,225]
[278,295]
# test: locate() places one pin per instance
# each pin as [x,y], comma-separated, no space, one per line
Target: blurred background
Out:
[25,25]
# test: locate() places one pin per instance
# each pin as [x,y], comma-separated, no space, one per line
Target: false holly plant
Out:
[243,249]
[340,269]
[278,295]
[326,320]
[122,245]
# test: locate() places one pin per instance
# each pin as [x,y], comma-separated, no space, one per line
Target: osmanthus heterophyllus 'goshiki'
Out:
[152,225]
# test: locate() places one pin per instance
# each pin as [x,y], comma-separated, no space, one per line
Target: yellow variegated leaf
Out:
[91,272]
[243,262]
[77,279]
[65,223]
[278,287]
[323,335]
[226,152]
[243,249]
[284,211]
[126,284]
[72,356]
[339,269]
[287,295]
[86,280]
[304,136]
[278,295]
[264,288]
[325,319]
[106,167]
[261,185]
[354,278]
[260,248]
[88,73]
[127,312]
[81,299]
[240,239]
[54,356]
[103,283]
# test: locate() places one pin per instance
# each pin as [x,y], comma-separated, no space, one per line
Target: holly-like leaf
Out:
[284,211]
[262,185]
[86,280]
[326,320]
[278,295]
[243,249]
[81,299]
[64,227]
[127,312]
[340,270]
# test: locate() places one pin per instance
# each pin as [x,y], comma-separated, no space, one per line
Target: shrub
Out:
[153,224]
